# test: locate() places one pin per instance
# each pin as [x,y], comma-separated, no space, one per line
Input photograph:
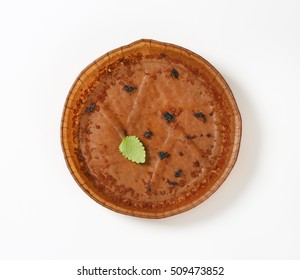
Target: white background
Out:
[45,44]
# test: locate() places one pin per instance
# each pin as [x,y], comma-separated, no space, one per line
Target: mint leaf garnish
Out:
[132,148]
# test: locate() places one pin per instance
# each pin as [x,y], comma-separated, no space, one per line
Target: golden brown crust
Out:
[176,103]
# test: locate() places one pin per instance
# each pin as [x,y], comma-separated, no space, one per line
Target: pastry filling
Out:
[169,108]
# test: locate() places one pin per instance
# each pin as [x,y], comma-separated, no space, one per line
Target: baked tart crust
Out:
[176,103]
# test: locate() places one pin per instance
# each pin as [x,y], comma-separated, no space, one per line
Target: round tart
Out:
[176,104]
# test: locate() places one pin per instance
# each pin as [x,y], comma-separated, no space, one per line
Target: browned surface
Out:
[99,110]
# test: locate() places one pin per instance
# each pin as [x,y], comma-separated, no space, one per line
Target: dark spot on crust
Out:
[169,117]
[208,135]
[178,173]
[126,62]
[90,108]
[148,187]
[163,155]
[88,130]
[196,163]
[181,154]
[148,134]
[129,88]
[200,115]
[174,73]
[190,137]
[172,183]
[163,55]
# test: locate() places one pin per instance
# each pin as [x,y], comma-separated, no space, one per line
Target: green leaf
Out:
[132,148]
